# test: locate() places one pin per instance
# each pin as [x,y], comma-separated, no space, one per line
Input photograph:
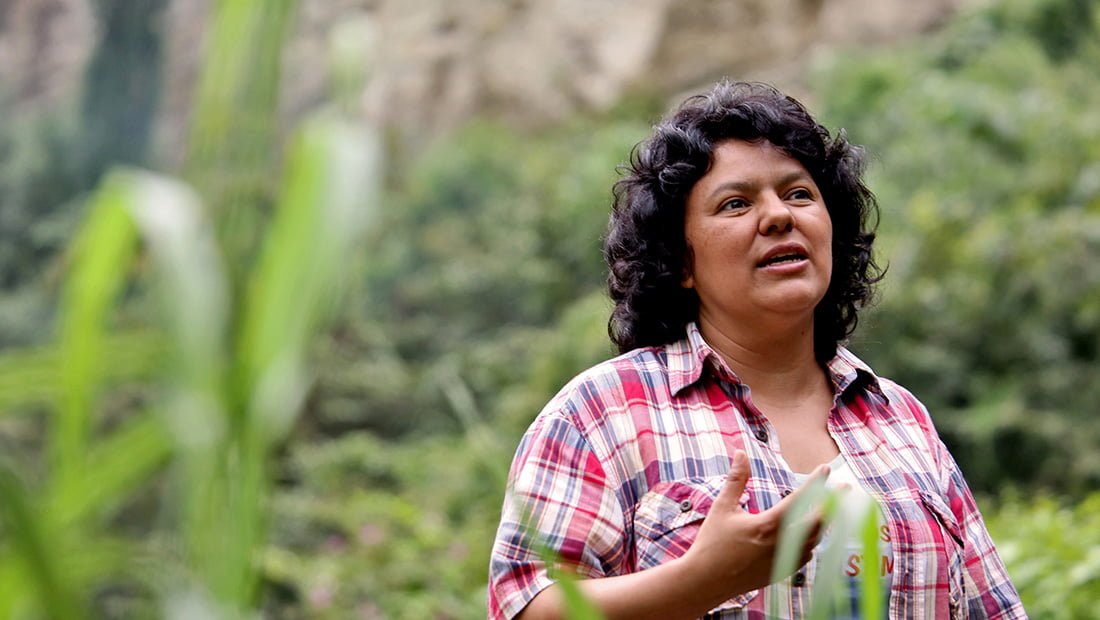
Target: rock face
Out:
[440,62]
[43,47]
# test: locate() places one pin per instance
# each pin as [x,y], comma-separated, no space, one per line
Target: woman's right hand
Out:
[734,551]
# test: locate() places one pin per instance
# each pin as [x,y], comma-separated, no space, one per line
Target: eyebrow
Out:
[748,186]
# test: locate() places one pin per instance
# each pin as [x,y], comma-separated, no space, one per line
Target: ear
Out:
[687,279]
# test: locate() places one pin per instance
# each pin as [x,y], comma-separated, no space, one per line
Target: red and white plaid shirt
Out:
[618,471]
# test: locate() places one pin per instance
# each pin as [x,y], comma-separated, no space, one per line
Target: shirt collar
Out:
[847,371]
[687,358]
[690,356]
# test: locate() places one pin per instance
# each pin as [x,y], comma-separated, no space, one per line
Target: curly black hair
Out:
[645,247]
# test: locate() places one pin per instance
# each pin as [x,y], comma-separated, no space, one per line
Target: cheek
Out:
[826,243]
[826,235]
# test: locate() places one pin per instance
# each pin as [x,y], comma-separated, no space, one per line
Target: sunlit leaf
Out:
[796,527]
[194,295]
[100,261]
[830,555]
[871,598]
[331,180]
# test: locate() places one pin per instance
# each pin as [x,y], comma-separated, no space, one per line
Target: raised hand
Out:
[735,550]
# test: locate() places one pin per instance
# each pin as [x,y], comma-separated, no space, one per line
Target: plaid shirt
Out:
[620,468]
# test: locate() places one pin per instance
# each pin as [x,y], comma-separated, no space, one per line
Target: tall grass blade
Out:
[871,598]
[119,465]
[15,588]
[234,134]
[27,531]
[194,294]
[332,178]
[829,580]
[100,260]
[236,98]
[795,529]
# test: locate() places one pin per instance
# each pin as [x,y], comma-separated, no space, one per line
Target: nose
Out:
[776,217]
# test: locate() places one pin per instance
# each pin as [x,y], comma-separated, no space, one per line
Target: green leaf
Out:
[100,260]
[194,294]
[828,582]
[871,595]
[795,527]
[331,181]
[34,544]
[16,587]
[118,464]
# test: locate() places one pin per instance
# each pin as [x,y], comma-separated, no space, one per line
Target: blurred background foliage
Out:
[477,291]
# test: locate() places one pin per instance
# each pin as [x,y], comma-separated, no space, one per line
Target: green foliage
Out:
[480,297]
[392,530]
[984,142]
[1052,551]
[231,383]
[486,245]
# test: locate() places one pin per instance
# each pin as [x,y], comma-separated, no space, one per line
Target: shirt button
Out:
[785,493]
[685,505]
[798,580]
[762,435]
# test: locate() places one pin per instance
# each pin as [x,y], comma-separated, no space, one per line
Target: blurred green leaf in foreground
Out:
[242,295]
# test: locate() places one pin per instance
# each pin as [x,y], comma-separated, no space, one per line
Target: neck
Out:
[777,364]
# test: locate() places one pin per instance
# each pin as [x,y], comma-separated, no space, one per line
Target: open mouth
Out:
[779,259]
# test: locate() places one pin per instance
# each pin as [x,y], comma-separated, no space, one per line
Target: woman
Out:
[739,251]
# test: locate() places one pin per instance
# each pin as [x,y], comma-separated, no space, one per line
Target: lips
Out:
[784,253]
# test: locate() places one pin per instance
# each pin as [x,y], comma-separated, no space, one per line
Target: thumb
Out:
[729,498]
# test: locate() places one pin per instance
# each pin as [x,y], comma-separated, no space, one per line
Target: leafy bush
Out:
[486,245]
[985,140]
[389,530]
[1052,550]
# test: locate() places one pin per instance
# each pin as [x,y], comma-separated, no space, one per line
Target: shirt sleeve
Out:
[989,590]
[558,507]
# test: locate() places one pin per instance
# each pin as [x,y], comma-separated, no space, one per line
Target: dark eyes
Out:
[734,204]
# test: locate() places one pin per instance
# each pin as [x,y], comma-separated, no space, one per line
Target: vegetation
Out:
[190,409]
[1053,552]
[986,140]
[229,346]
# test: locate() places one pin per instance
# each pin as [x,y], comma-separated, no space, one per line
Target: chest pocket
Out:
[666,522]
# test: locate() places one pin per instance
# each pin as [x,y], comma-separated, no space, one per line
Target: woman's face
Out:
[759,237]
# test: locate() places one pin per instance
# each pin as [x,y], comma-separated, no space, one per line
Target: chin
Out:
[796,301]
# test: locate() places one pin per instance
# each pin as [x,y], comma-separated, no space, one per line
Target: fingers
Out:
[730,496]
